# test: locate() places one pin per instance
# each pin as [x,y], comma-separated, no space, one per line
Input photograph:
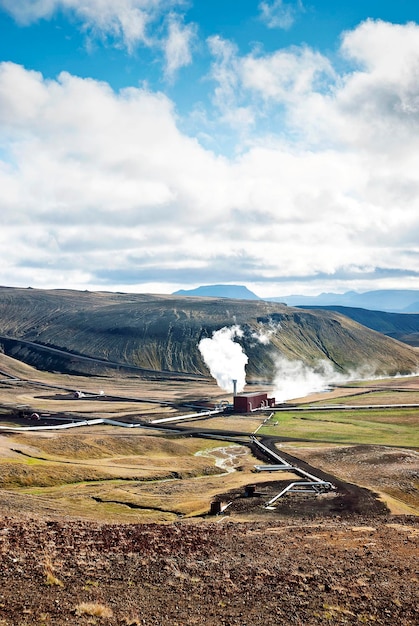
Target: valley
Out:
[89,447]
[129,493]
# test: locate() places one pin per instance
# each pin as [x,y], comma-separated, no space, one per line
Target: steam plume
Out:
[265,332]
[295,379]
[225,357]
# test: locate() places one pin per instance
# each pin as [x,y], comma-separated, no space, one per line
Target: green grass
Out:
[374,397]
[394,427]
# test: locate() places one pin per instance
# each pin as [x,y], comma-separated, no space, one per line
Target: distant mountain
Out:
[401,326]
[390,300]
[237,292]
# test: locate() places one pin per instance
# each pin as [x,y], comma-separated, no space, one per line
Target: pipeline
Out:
[187,416]
[273,455]
[93,422]
[313,485]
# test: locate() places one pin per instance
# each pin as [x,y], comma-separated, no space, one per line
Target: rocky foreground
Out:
[307,572]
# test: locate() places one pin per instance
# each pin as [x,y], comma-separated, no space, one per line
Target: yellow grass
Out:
[51,578]
[94,609]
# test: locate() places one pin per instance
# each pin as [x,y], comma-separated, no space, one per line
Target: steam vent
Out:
[248,402]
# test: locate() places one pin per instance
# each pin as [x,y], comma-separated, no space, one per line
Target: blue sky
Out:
[152,145]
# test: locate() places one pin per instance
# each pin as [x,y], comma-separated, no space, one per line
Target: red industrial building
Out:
[247,402]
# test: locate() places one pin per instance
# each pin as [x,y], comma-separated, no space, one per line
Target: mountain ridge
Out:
[387,300]
[162,333]
[401,326]
[239,292]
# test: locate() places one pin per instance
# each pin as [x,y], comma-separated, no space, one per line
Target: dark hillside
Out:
[401,326]
[163,332]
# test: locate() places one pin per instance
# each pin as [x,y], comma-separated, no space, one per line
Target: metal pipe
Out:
[292,487]
[268,451]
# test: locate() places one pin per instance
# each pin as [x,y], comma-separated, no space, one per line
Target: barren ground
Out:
[299,571]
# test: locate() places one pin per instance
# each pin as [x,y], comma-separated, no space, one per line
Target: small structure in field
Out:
[248,402]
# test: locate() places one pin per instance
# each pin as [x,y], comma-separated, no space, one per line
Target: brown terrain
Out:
[356,570]
[104,525]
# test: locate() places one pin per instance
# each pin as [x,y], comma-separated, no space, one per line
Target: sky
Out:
[157,145]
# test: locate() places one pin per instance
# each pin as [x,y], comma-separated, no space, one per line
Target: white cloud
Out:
[286,74]
[125,22]
[279,14]
[27,11]
[246,86]
[178,45]
[86,164]
[102,187]
[381,98]
[226,72]
[373,106]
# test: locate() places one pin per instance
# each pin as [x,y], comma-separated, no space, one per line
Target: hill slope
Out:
[163,332]
[401,326]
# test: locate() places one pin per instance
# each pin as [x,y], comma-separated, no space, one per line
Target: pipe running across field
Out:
[93,422]
[104,420]
[314,484]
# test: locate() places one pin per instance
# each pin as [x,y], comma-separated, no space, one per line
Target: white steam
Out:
[225,357]
[264,333]
[295,379]
[227,361]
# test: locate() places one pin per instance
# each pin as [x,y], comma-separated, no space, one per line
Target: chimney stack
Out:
[234,387]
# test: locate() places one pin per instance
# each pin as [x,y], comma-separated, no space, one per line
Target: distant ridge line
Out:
[387,300]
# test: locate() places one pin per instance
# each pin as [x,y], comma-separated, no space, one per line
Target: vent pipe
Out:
[234,387]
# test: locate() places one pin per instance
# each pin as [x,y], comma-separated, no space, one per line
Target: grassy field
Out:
[394,396]
[114,476]
[390,427]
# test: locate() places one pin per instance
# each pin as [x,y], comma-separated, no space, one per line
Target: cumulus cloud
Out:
[285,75]
[86,164]
[372,105]
[99,187]
[254,86]
[381,97]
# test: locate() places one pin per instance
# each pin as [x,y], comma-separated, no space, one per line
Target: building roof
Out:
[251,394]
